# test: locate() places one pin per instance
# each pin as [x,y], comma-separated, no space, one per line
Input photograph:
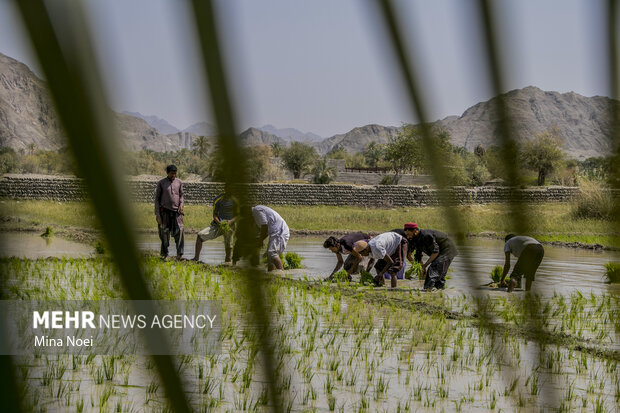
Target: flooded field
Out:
[347,347]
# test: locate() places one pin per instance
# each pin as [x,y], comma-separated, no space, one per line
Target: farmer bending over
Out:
[271,224]
[344,246]
[389,249]
[529,253]
[440,250]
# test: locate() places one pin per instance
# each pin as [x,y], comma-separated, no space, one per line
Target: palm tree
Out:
[201,147]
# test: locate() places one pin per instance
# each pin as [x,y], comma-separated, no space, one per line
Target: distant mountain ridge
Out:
[291,134]
[583,121]
[158,123]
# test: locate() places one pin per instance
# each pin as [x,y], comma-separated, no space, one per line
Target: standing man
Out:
[389,249]
[344,246]
[225,212]
[529,252]
[271,224]
[169,211]
[440,250]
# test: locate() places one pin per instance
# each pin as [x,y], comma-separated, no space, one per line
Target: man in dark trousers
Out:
[225,210]
[169,211]
[344,246]
[529,252]
[440,250]
[410,243]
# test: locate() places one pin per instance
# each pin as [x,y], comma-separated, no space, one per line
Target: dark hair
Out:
[330,242]
[508,237]
[171,168]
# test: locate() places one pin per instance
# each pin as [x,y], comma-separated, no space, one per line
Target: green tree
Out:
[201,147]
[404,150]
[373,153]
[299,158]
[322,173]
[277,149]
[544,154]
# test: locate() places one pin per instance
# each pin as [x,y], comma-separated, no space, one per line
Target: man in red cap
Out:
[440,250]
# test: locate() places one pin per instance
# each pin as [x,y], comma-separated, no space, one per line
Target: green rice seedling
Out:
[329,385]
[366,278]
[292,261]
[331,403]
[209,386]
[79,406]
[152,387]
[100,247]
[98,376]
[109,369]
[340,276]
[612,272]
[415,272]
[496,274]
[48,232]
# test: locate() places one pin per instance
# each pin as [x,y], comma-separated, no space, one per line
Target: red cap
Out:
[411,225]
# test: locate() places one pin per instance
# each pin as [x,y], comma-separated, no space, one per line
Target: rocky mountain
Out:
[27,115]
[158,123]
[254,136]
[582,121]
[201,129]
[291,134]
[356,139]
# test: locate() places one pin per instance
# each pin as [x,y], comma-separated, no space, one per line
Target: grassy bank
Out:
[549,222]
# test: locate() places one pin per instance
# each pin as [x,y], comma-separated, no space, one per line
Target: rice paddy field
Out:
[338,347]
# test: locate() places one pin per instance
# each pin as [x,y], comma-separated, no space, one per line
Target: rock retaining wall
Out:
[72,189]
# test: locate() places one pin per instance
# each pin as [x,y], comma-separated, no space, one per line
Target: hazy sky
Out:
[322,65]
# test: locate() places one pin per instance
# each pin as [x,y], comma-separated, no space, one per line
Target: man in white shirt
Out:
[389,249]
[271,224]
[529,253]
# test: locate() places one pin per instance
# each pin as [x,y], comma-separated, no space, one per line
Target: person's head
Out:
[228,190]
[171,170]
[411,229]
[508,237]
[362,248]
[332,244]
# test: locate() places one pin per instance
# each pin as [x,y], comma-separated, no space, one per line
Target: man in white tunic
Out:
[271,225]
[389,249]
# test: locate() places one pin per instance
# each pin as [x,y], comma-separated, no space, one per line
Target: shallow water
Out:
[29,245]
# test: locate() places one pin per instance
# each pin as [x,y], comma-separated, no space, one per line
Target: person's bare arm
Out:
[356,263]
[502,283]
[338,264]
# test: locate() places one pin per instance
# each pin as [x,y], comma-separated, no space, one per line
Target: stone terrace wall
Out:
[72,189]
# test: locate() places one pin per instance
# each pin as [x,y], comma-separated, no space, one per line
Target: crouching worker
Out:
[529,253]
[440,250]
[390,250]
[225,213]
[344,246]
[270,224]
